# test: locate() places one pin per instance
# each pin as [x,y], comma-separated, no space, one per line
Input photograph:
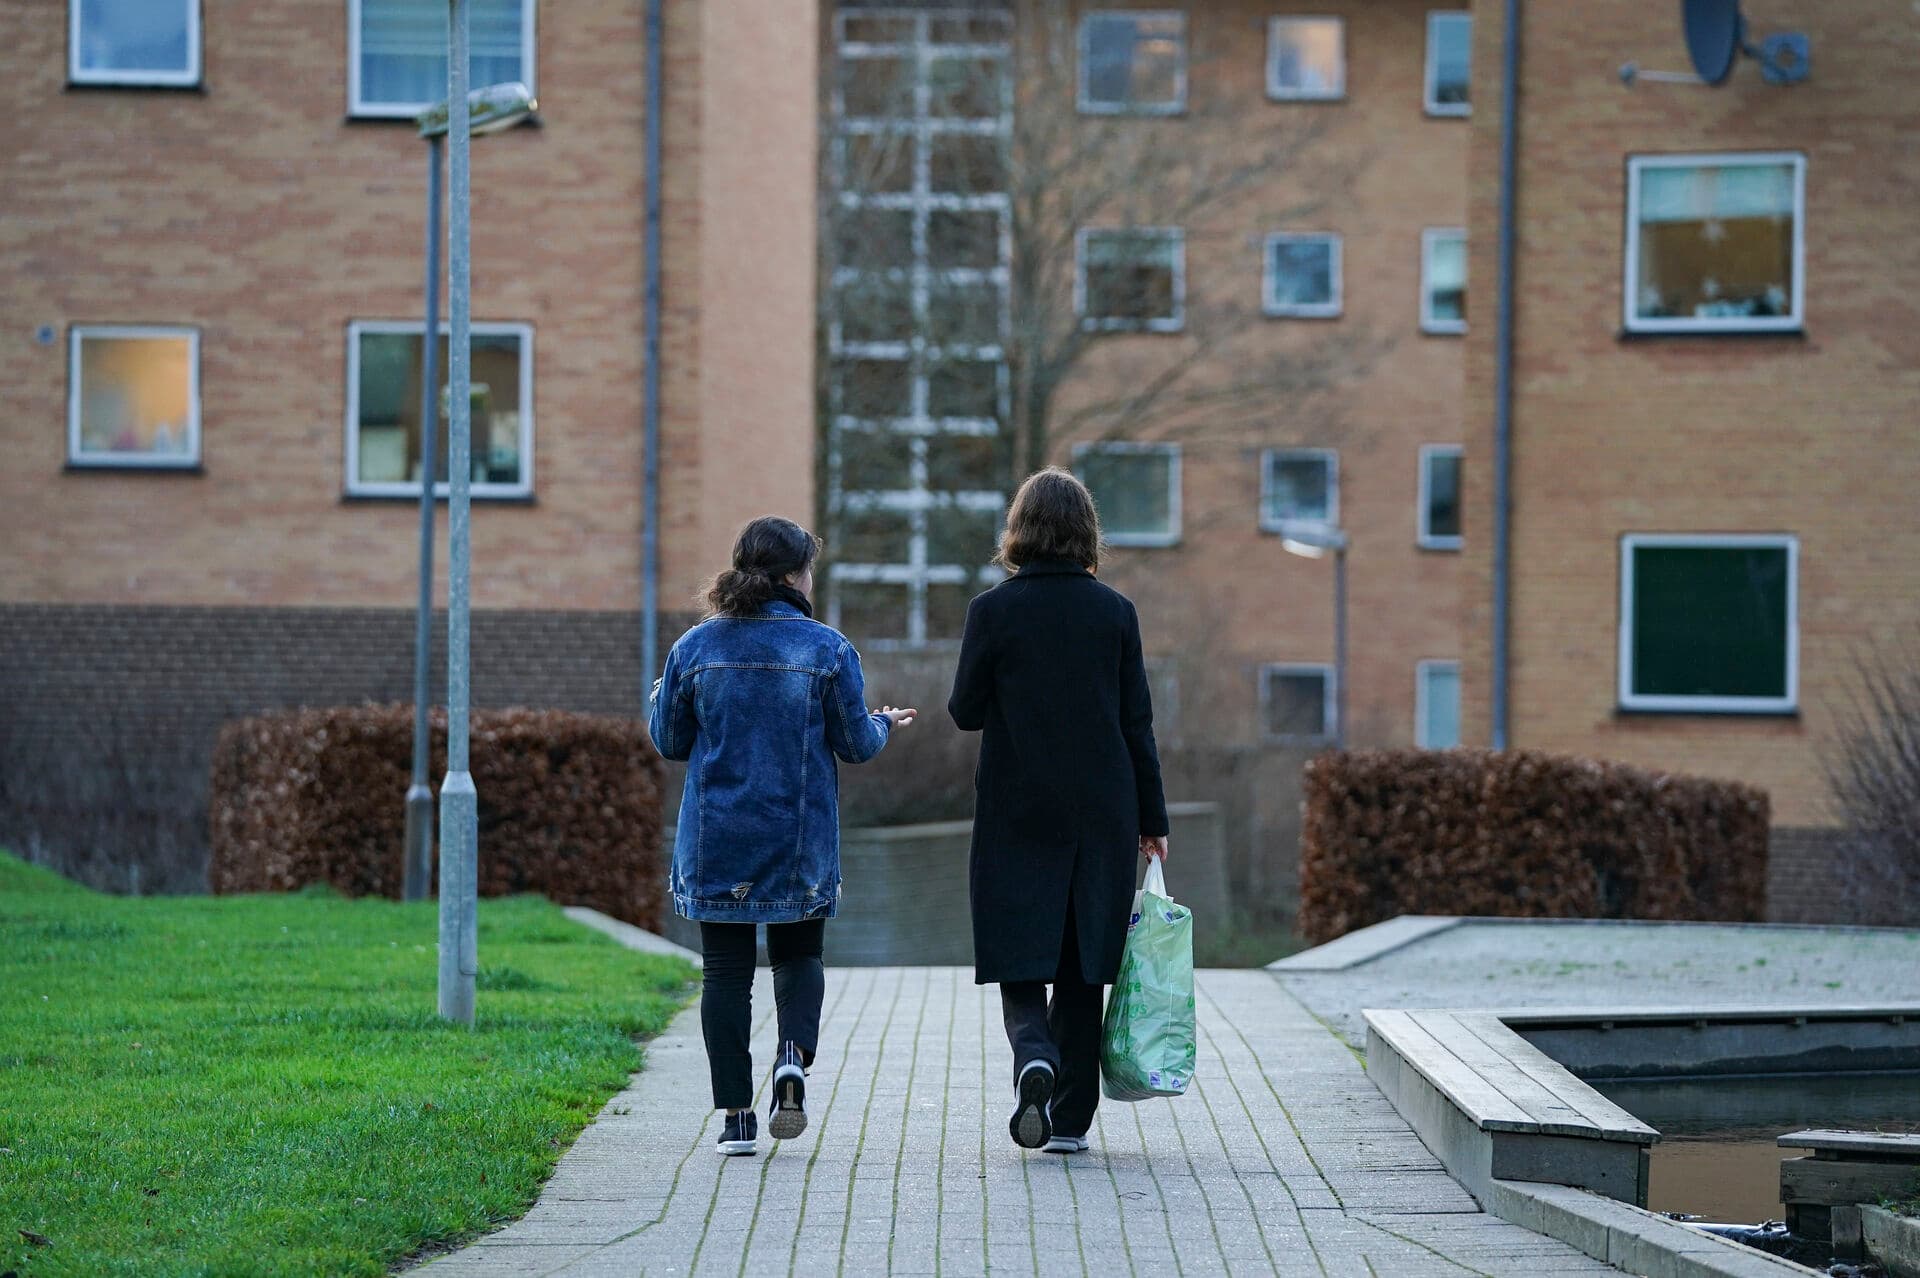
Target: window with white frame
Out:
[917,372]
[1440,496]
[1297,704]
[1449,62]
[1709,623]
[1133,63]
[1136,489]
[1306,59]
[134,42]
[1443,280]
[397,51]
[384,430]
[1299,485]
[1132,278]
[1715,242]
[133,396]
[1302,275]
[1436,705]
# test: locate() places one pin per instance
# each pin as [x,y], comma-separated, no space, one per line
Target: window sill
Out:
[133,86]
[1429,331]
[1316,314]
[413,499]
[532,121]
[130,468]
[1282,95]
[1711,334]
[1452,547]
[1642,712]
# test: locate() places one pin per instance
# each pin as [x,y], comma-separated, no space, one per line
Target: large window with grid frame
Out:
[917,388]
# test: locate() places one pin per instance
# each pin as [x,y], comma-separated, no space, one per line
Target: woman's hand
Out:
[898,718]
[1153,845]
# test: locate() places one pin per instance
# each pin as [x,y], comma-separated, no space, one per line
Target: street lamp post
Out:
[489,110]
[1314,540]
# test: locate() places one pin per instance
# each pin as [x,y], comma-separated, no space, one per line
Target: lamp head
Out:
[1311,539]
[492,109]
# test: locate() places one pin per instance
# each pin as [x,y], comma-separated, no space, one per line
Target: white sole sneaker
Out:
[1032,1123]
[1066,1145]
[788,1117]
[735,1148]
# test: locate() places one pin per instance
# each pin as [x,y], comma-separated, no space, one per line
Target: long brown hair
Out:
[1051,517]
[768,551]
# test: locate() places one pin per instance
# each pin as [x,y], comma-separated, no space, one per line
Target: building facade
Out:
[1235,264]
[1713,396]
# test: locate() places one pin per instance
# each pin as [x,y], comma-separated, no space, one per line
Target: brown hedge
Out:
[1521,834]
[569,805]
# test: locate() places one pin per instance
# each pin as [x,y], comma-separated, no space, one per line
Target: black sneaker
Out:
[1032,1122]
[739,1135]
[787,1114]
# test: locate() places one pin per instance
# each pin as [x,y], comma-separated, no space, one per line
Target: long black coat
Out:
[1068,780]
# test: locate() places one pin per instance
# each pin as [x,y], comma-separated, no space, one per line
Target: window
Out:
[1436,705]
[1133,63]
[133,397]
[1136,488]
[1449,63]
[383,410]
[135,42]
[1299,485]
[1715,242]
[397,51]
[1132,279]
[1443,280]
[1297,705]
[1440,497]
[917,463]
[1306,59]
[1709,623]
[1302,277]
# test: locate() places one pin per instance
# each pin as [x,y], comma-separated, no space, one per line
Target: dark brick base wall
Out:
[1820,876]
[108,714]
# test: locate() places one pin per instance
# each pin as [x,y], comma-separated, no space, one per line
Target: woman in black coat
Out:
[1066,794]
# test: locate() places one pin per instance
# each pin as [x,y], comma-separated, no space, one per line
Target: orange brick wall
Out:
[1228,599]
[255,211]
[1812,436]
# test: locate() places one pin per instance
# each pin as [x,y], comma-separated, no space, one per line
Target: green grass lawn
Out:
[259,1085]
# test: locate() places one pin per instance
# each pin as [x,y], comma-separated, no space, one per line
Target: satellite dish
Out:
[1714,29]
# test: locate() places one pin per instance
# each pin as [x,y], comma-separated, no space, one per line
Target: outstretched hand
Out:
[1152,845]
[898,718]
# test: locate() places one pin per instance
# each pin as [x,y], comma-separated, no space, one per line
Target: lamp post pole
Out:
[1340,647]
[459,803]
[419,853]
[1314,539]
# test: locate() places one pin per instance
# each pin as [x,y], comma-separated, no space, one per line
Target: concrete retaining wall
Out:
[904,899]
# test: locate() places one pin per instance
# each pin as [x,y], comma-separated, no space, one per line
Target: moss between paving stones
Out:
[260,1085]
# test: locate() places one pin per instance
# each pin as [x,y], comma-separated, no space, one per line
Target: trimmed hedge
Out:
[1525,835]
[569,805]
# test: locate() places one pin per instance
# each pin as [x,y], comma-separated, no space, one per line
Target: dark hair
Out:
[1052,517]
[768,551]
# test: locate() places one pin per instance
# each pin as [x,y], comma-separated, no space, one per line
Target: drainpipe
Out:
[1503,380]
[650,375]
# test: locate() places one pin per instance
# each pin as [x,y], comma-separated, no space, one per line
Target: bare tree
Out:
[1016,259]
[1873,778]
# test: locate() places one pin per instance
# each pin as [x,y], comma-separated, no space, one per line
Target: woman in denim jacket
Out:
[758,699]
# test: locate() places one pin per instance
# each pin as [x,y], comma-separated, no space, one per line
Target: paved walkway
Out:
[1283,1159]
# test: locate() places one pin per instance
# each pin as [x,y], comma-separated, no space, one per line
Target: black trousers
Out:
[726,998]
[1064,1032]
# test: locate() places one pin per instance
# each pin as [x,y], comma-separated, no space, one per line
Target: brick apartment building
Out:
[213,235]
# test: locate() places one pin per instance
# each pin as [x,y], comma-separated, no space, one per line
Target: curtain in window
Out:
[1716,191]
[1440,730]
[403,48]
[134,35]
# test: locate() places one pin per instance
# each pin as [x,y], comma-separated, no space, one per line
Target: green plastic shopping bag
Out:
[1147,1041]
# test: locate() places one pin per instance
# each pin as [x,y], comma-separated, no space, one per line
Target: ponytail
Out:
[768,551]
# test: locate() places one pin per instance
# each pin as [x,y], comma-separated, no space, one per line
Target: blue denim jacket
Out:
[758,707]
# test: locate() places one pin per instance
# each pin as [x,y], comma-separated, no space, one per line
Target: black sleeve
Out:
[973,679]
[1136,721]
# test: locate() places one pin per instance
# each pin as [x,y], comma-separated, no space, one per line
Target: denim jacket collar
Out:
[1052,568]
[780,608]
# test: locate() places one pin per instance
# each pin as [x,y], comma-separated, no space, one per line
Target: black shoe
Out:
[1032,1122]
[787,1114]
[740,1135]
